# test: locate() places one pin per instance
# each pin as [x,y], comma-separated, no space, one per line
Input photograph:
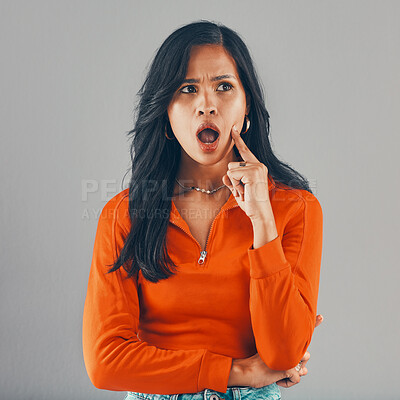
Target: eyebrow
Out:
[214,78]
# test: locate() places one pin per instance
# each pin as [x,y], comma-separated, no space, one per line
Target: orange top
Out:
[179,335]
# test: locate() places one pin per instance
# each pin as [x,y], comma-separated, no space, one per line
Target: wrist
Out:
[264,231]
[263,221]
[265,214]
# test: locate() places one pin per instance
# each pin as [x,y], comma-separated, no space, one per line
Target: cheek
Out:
[175,114]
[180,122]
[178,112]
[234,107]
[239,103]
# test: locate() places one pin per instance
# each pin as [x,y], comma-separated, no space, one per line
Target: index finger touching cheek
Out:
[244,151]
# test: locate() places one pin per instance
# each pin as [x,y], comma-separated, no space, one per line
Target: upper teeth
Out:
[211,129]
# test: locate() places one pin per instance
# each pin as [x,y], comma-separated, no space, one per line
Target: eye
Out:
[190,86]
[226,84]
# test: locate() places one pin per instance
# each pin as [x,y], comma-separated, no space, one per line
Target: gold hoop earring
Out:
[247,123]
[166,135]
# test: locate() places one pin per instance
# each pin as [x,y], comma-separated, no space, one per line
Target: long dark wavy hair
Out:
[155,159]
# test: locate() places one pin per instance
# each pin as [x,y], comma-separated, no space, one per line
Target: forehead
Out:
[210,59]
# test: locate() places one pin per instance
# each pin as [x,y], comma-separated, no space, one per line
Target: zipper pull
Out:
[202,257]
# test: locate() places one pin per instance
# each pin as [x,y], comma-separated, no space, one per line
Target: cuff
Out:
[214,372]
[267,259]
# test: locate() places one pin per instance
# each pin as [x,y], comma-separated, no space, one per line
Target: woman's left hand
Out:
[249,184]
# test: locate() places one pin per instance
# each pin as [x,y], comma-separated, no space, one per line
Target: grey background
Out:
[69,74]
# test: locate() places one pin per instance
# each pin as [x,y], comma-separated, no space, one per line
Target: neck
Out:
[207,177]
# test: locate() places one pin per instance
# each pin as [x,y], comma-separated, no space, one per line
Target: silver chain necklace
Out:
[199,189]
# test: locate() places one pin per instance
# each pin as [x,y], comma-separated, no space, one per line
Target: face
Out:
[221,101]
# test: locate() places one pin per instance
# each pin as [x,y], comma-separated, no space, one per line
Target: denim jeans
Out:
[269,392]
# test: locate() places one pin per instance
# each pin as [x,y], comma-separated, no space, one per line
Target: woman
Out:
[220,242]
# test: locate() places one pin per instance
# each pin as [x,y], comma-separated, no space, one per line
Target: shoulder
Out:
[116,210]
[295,201]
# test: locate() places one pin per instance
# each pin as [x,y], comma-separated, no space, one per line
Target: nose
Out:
[206,105]
[209,110]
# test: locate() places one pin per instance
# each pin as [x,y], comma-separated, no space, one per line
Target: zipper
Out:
[203,252]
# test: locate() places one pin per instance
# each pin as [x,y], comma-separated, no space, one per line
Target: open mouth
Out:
[208,135]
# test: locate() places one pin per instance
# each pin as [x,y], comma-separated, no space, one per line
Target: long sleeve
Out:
[284,282]
[114,356]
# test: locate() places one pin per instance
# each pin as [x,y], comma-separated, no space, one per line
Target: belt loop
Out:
[236,394]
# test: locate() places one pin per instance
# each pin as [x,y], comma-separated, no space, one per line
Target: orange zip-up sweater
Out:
[179,335]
